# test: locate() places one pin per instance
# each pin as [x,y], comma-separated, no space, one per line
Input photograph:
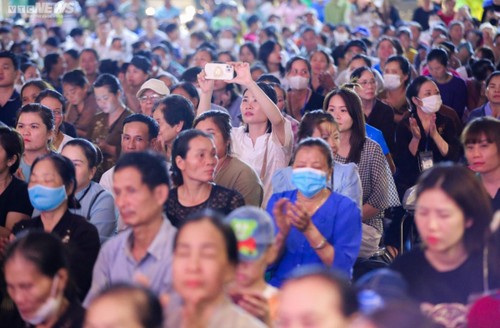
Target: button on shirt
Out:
[116,263]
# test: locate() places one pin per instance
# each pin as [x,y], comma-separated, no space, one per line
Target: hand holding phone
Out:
[214,71]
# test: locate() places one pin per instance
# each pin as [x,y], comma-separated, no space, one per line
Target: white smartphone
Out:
[216,71]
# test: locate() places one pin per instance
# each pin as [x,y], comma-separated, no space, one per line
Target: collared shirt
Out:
[116,263]
[8,112]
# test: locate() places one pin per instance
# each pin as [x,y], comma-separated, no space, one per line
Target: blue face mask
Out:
[309,181]
[45,198]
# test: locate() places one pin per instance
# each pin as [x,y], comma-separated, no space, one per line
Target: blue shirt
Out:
[346,181]
[116,263]
[377,136]
[338,220]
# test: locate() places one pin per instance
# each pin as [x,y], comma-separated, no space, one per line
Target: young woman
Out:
[106,126]
[315,225]
[14,200]
[205,243]
[265,141]
[51,190]
[56,103]
[481,140]
[96,204]
[194,159]
[300,96]
[230,172]
[379,191]
[426,136]
[453,223]
[32,89]
[397,77]
[322,70]
[82,105]
[38,278]
[35,124]
[270,56]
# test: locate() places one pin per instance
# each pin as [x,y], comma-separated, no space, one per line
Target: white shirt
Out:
[278,155]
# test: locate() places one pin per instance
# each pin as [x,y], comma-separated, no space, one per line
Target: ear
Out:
[63,276]
[180,163]
[416,101]
[178,127]
[161,193]
[153,142]
[12,160]
[92,172]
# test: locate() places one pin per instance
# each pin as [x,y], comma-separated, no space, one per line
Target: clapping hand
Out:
[415,129]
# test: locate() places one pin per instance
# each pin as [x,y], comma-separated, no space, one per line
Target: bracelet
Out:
[321,244]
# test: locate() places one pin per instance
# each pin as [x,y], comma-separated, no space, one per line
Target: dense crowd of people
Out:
[257,164]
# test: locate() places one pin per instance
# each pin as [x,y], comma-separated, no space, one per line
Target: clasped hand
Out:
[288,214]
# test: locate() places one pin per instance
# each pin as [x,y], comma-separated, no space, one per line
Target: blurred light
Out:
[188,14]
[150,11]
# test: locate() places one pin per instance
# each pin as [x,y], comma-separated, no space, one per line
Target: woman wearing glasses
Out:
[151,91]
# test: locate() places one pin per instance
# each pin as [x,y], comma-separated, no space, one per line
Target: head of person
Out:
[437,61]
[312,164]
[448,216]
[31,89]
[11,150]
[141,185]
[309,38]
[36,125]
[493,87]
[138,71]
[280,96]
[205,258]
[203,56]
[226,39]
[397,72]
[424,95]
[385,48]
[366,84]
[320,61]
[481,142]
[75,87]
[124,305]
[217,124]
[52,183]
[188,91]
[353,48]
[248,53]
[174,114]
[251,111]
[194,157]
[37,276]
[316,297]
[139,133]
[56,103]
[9,69]
[71,57]
[298,73]
[85,157]
[108,92]
[254,231]
[481,69]
[270,53]
[89,61]
[30,71]
[54,64]
[319,124]
[151,91]
[345,107]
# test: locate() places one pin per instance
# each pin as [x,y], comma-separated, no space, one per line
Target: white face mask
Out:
[392,81]
[431,104]
[226,44]
[298,82]
[47,309]
[340,37]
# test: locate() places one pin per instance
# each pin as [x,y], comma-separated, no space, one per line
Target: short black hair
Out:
[12,143]
[176,109]
[91,152]
[152,167]
[153,127]
[438,54]
[10,55]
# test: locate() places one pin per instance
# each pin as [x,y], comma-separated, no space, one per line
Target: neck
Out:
[256,130]
[492,179]
[52,218]
[443,79]
[194,192]
[50,322]
[82,187]
[449,259]
[345,137]
[273,67]
[495,108]
[206,308]
[53,75]
[367,105]
[29,156]
[5,179]
[146,233]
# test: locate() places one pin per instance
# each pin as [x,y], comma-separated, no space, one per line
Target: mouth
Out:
[26,140]
[193,283]
[432,240]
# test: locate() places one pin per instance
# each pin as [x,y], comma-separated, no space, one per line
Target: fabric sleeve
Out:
[350,183]
[103,216]
[248,184]
[281,180]
[19,201]
[101,272]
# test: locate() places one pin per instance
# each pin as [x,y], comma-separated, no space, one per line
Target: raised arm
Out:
[207,88]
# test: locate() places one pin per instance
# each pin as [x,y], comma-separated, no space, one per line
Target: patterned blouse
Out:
[378,185]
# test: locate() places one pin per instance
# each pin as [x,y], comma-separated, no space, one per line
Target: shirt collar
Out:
[487,109]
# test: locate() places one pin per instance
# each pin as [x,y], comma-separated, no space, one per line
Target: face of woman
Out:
[281,98]
[57,109]
[338,109]
[299,68]
[328,132]
[428,89]
[208,126]
[74,94]
[34,131]
[83,172]
[275,56]
[27,286]
[440,221]
[436,69]
[89,63]
[112,312]
[45,174]
[385,50]
[368,86]
[31,73]
[251,110]
[200,162]
[318,63]
[394,68]
[483,157]
[311,157]
[107,101]
[200,266]
[29,94]
[246,55]
[201,58]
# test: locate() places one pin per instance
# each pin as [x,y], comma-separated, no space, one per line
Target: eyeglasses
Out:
[152,98]
[368,82]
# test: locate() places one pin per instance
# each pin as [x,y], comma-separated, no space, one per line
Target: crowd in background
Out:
[344,173]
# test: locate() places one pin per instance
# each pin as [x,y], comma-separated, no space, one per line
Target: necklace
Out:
[317,204]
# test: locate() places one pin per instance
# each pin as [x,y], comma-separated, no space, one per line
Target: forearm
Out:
[320,244]
[441,144]
[369,211]
[205,102]
[413,146]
